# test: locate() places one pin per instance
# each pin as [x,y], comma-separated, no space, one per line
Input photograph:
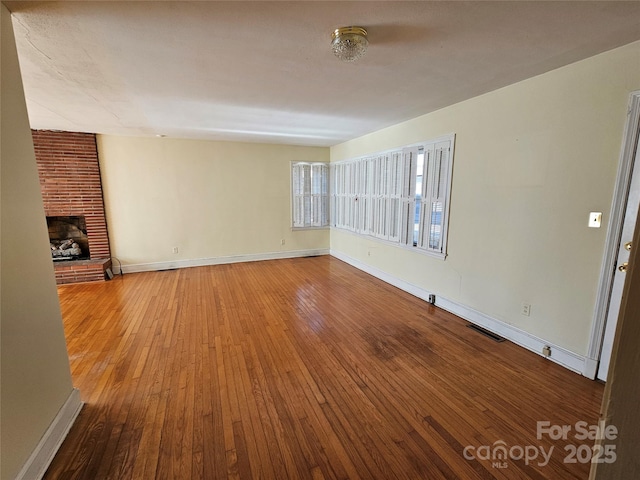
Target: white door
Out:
[630,216]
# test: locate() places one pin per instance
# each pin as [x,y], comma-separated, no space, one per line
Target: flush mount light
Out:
[349,43]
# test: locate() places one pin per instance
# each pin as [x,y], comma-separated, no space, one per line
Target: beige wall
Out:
[531,161]
[35,369]
[209,199]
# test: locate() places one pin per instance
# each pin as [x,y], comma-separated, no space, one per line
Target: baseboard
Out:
[559,355]
[590,369]
[37,464]
[201,262]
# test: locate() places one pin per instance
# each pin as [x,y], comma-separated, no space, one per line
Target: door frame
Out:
[614,232]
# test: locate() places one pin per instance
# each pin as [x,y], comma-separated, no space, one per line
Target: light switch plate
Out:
[595,219]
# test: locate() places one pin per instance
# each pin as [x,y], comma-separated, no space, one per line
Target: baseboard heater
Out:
[486,332]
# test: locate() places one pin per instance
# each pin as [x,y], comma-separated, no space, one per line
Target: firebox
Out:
[68,238]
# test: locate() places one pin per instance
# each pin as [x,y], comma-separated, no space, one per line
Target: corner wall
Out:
[214,201]
[531,161]
[35,378]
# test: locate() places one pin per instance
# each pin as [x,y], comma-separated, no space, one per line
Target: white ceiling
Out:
[263,71]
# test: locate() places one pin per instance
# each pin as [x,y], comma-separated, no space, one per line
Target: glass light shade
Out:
[349,43]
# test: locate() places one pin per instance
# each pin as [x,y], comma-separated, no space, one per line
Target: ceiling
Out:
[263,71]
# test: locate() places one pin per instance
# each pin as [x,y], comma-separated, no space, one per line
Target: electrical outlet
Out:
[525,310]
[175,249]
[282,242]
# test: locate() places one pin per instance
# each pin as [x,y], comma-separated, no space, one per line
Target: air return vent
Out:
[486,332]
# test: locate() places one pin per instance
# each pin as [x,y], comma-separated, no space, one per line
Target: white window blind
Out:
[310,194]
[400,196]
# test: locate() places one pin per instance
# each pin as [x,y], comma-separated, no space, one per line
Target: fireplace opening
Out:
[68,238]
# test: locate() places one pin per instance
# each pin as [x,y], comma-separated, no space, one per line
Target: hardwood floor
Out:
[299,369]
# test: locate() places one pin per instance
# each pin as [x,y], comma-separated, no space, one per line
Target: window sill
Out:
[410,248]
[297,229]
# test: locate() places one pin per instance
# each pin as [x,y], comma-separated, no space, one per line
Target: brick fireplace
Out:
[72,193]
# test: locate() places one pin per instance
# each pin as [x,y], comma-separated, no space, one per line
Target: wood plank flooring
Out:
[299,369]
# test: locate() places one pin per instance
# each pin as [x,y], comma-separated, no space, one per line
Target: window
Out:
[310,194]
[400,196]
[435,196]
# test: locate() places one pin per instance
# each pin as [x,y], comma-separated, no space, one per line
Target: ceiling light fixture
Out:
[349,43]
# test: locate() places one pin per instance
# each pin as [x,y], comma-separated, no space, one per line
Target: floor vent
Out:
[486,333]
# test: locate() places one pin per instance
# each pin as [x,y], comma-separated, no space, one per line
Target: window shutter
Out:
[384,209]
[438,196]
[407,197]
[306,190]
[319,195]
[343,197]
[336,193]
[347,199]
[377,195]
[339,181]
[375,166]
[425,199]
[381,213]
[298,196]
[332,194]
[361,167]
[395,193]
[436,165]
[370,197]
[353,198]
[325,195]
[310,194]
[366,212]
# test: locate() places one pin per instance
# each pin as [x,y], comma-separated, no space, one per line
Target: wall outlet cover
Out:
[595,219]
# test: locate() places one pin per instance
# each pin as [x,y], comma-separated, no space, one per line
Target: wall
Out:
[35,376]
[212,200]
[531,161]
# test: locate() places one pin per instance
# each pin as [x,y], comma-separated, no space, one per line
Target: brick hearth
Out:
[70,183]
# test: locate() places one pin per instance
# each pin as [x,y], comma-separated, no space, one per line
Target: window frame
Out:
[318,203]
[402,161]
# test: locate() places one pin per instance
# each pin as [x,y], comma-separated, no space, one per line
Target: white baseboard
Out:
[37,464]
[590,369]
[201,262]
[559,355]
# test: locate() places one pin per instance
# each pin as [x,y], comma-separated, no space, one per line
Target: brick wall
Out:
[70,183]
[81,271]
